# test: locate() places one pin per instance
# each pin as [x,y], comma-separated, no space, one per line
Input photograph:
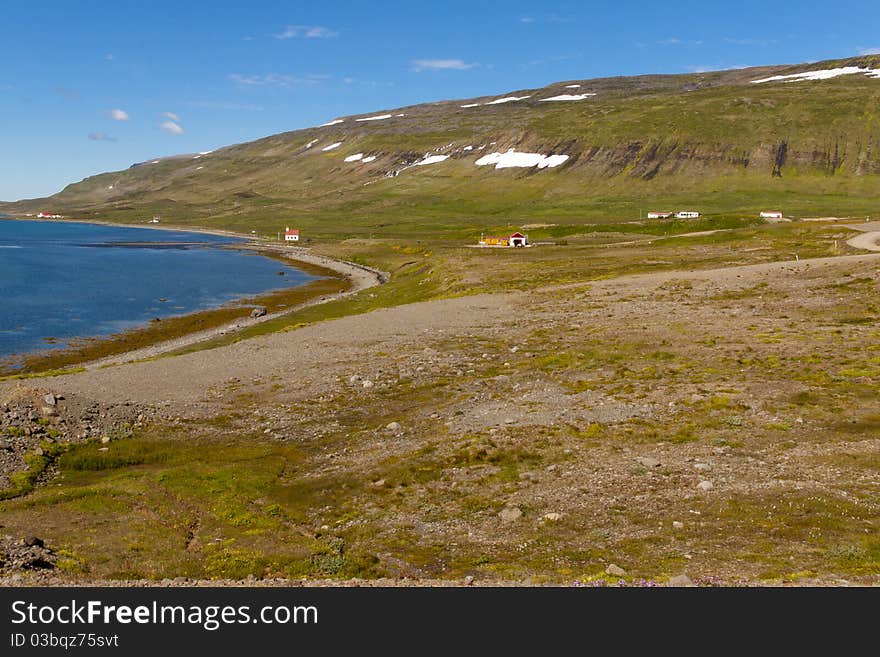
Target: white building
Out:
[291,235]
[687,214]
[771,214]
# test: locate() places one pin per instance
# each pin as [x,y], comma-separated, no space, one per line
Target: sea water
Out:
[60,281]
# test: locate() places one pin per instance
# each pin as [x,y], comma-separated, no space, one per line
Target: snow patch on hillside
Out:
[431,159]
[825,74]
[333,122]
[311,143]
[497,101]
[355,157]
[332,146]
[512,159]
[378,117]
[566,97]
[369,159]
[507,99]
[572,86]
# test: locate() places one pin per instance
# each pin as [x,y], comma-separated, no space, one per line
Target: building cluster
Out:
[515,240]
[681,214]
[691,214]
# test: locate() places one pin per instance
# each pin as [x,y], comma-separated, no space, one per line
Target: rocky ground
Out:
[685,427]
[32,419]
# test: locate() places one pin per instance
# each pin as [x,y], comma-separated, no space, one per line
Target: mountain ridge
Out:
[634,140]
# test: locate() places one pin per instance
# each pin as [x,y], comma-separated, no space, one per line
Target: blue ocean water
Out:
[65,280]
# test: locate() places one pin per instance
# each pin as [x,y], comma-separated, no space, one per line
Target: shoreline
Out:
[176,228]
[358,277]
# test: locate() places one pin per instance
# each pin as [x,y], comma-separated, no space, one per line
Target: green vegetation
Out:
[621,396]
[712,142]
[21,483]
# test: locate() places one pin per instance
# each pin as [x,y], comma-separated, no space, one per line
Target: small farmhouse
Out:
[48,215]
[771,214]
[291,235]
[660,215]
[686,214]
[515,240]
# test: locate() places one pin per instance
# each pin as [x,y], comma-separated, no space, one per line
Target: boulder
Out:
[510,514]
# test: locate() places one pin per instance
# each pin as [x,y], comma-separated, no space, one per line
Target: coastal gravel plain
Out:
[712,427]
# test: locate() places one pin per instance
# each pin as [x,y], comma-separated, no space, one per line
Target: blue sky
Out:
[92,86]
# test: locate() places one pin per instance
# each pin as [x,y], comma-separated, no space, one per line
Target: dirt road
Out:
[314,355]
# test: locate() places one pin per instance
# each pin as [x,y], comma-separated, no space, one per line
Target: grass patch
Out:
[21,483]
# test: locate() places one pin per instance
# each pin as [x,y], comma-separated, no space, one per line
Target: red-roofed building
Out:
[517,239]
[291,235]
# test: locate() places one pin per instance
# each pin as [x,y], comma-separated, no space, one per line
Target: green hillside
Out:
[714,142]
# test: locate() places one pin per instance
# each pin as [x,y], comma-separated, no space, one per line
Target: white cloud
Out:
[419,65]
[118,115]
[307,32]
[546,18]
[675,41]
[171,128]
[273,80]
[101,136]
[869,51]
[320,33]
[172,116]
